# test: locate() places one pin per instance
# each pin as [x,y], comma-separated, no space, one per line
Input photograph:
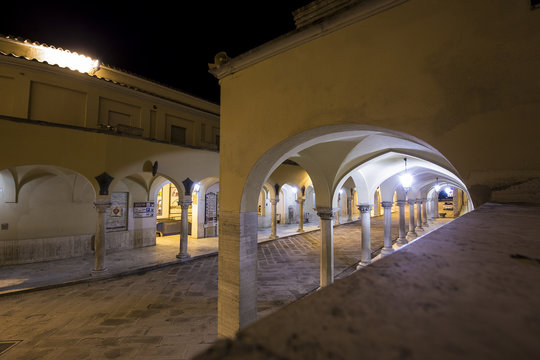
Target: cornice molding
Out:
[358,12]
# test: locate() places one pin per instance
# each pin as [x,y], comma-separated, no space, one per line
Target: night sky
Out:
[168,42]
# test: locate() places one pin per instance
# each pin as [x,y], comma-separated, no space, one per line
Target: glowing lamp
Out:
[62,58]
[294,190]
[406,179]
[196,187]
[437,186]
[448,191]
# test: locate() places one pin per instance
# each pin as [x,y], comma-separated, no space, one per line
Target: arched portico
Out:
[330,155]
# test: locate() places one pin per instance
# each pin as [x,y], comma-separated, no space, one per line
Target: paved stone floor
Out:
[169,312]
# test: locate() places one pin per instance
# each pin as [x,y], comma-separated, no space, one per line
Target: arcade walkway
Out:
[167,313]
[14,278]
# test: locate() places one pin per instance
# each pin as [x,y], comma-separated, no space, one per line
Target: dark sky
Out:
[168,42]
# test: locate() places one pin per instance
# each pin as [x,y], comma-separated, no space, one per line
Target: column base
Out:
[183,256]
[402,241]
[300,230]
[99,273]
[362,264]
[272,237]
[419,228]
[411,235]
[386,251]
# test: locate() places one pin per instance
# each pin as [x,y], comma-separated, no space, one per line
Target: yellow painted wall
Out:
[461,75]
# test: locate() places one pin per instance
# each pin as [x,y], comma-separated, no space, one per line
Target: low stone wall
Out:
[24,251]
[468,290]
[52,248]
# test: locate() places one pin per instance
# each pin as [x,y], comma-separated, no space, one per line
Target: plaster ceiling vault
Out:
[372,158]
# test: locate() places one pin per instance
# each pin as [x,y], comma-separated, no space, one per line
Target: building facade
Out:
[359,86]
[78,136]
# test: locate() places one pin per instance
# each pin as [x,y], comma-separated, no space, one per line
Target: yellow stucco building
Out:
[358,87]
[68,122]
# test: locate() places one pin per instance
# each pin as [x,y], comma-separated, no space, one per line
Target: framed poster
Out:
[211,209]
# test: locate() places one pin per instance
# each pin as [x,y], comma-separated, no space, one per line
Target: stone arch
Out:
[49,211]
[237,285]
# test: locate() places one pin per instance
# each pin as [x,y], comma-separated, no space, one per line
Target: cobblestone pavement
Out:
[167,313]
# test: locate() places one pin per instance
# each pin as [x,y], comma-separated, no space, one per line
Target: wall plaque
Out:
[117,219]
[143,209]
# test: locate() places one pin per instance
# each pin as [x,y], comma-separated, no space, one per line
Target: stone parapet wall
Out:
[467,290]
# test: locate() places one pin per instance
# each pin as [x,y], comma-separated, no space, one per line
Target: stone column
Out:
[102,207]
[419,227]
[411,234]
[338,212]
[429,210]
[300,202]
[365,214]
[183,253]
[327,246]
[402,239]
[349,208]
[274,202]
[424,213]
[387,249]
[455,202]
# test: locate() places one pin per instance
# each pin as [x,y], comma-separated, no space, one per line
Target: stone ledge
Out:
[469,289]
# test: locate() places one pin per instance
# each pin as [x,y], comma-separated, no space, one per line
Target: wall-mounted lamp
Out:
[196,187]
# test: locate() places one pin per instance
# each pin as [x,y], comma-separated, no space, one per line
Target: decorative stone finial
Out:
[220,59]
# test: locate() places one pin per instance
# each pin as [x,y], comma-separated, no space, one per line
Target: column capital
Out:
[184,203]
[411,202]
[274,201]
[102,205]
[364,208]
[387,204]
[300,200]
[325,213]
[401,203]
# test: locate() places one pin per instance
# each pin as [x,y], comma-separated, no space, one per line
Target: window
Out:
[178,135]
